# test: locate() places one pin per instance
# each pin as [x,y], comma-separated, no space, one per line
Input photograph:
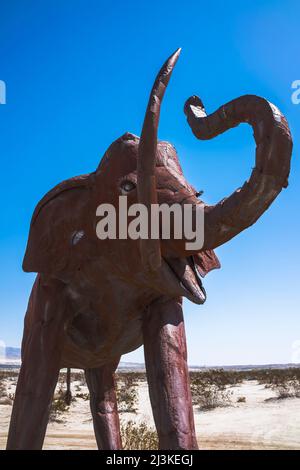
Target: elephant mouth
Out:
[185,271]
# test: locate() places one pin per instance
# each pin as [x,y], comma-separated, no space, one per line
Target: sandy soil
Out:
[262,422]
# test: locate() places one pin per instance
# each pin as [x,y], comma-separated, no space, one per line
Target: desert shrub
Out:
[83,396]
[126,383]
[287,388]
[138,436]
[77,376]
[11,396]
[220,377]
[272,376]
[127,396]
[241,400]
[139,376]
[267,377]
[5,400]
[284,382]
[208,396]
[130,378]
[209,388]
[8,374]
[58,407]
[2,389]
[5,397]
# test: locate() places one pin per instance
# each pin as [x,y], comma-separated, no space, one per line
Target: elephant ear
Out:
[57,227]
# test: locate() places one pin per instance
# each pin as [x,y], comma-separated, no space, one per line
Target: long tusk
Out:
[146,184]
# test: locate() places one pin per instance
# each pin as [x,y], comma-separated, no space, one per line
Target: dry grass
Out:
[138,436]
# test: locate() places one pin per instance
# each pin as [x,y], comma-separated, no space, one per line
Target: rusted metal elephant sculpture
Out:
[93,300]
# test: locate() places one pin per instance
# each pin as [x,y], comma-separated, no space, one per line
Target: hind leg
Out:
[103,402]
[41,355]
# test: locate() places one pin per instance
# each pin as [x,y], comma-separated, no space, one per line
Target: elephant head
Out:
[63,242]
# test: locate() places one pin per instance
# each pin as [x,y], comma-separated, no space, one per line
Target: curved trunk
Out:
[146,186]
[270,174]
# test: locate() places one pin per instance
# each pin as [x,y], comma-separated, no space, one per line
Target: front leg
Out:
[41,357]
[167,374]
[103,402]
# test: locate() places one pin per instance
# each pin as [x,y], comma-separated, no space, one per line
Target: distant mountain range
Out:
[12,356]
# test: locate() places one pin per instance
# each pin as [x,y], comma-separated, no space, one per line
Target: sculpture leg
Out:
[41,354]
[103,401]
[167,374]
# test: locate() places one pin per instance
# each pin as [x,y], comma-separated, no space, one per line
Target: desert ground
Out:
[246,413]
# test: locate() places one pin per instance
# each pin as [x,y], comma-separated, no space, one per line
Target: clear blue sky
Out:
[78,74]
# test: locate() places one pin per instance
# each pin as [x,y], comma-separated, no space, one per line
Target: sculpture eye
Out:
[127,186]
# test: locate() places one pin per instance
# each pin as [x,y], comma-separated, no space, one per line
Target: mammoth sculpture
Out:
[95,300]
